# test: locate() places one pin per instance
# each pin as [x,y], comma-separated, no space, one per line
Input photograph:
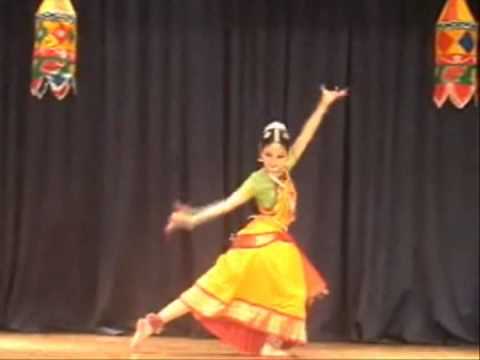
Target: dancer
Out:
[256,295]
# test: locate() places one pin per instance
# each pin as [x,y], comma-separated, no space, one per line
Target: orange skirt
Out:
[260,287]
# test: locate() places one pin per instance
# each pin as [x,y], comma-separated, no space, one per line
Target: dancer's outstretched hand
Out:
[181,218]
[330,96]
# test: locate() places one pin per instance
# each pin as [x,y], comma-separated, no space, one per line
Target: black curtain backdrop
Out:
[172,96]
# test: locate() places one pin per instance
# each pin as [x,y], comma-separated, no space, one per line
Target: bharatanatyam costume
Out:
[261,287]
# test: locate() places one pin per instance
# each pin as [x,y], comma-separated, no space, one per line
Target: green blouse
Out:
[262,187]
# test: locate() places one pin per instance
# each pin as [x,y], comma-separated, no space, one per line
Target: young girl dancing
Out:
[256,295]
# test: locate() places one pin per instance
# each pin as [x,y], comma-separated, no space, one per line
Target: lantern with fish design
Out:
[55,49]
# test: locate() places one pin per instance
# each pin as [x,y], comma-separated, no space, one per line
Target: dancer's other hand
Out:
[181,218]
[329,97]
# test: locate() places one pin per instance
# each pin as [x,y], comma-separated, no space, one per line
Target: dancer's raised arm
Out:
[327,98]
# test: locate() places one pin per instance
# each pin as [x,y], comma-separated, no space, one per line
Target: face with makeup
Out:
[274,158]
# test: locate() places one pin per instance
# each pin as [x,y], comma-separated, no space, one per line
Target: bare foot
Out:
[156,323]
[269,350]
[142,331]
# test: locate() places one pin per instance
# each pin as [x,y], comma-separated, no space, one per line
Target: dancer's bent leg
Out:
[273,347]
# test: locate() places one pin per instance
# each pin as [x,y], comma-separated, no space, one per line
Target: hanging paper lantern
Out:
[456,55]
[55,49]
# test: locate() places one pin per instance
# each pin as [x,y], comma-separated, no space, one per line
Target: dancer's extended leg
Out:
[173,311]
[154,323]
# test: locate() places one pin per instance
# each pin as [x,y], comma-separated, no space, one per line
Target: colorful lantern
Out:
[456,55]
[55,49]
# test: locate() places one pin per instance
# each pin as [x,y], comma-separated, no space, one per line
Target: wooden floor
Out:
[71,346]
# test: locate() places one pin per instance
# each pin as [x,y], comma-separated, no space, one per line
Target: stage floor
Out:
[81,346]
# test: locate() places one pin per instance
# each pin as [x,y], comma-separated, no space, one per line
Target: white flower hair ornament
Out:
[278,130]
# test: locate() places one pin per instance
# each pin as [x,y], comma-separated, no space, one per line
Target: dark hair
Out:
[275,132]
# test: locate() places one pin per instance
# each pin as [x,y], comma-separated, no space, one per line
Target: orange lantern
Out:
[456,55]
